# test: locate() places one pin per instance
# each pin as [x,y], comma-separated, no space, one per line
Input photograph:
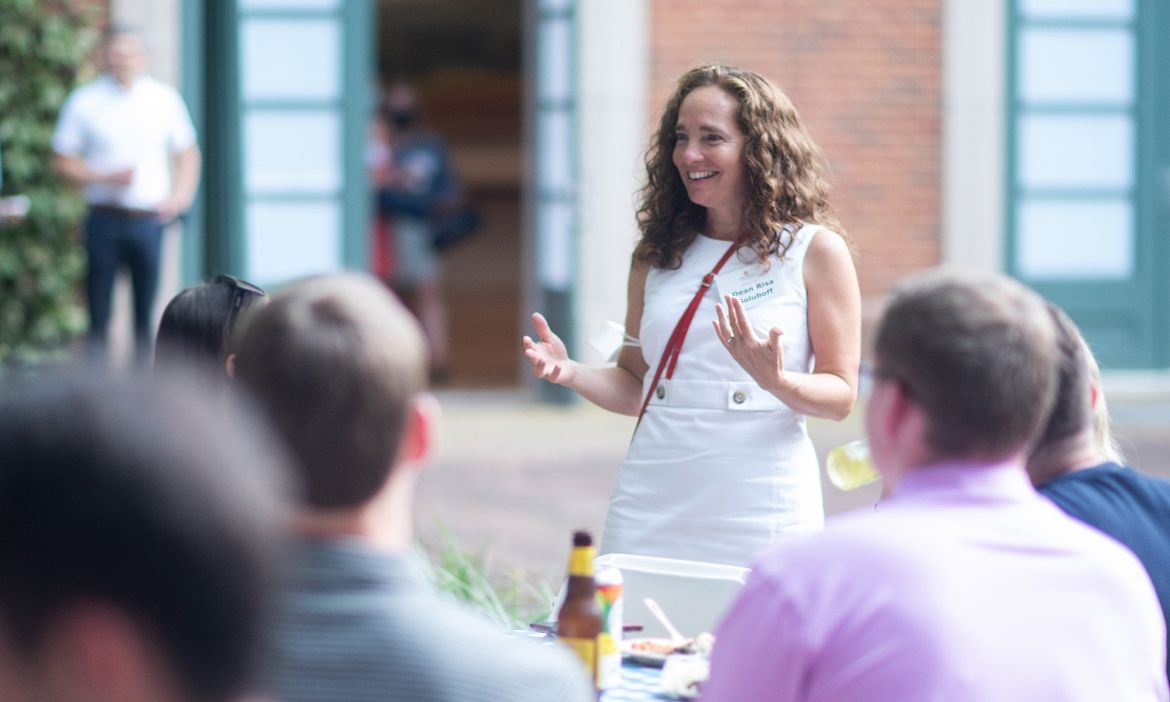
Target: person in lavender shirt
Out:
[964,584]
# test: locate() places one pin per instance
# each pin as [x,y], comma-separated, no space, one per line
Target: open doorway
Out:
[463,57]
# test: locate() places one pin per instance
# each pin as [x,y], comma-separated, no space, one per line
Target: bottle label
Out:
[581,561]
[609,598]
[609,662]
[586,650]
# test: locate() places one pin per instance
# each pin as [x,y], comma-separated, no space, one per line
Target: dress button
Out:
[739,397]
[660,392]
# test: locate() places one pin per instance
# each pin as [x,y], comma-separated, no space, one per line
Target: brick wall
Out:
[865,76]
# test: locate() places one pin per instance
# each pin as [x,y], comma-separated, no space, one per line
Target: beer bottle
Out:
[579,620]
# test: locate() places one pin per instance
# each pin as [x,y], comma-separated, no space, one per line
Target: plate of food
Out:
[654,651]
[648,651]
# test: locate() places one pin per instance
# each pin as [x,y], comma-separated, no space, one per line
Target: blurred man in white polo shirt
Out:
[127,140]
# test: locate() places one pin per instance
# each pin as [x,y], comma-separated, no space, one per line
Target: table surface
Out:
[638,683]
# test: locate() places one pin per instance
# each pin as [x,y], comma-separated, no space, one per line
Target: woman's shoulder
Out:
[823,238]
[828,255]
[796,240]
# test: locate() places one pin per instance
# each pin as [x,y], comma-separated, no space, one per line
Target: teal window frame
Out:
[555,296]
[1125,320]
[216,241]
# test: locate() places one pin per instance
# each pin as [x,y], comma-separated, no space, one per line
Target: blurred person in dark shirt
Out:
[138,529]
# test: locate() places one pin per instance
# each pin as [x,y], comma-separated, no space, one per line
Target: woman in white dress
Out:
[721,464]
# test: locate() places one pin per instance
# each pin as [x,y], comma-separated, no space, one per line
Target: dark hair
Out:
[783,164]
[1072,410]
[197,324]
[335,362]
[976,352]
[147,498]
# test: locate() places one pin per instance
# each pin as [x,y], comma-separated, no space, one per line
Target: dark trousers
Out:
[112,240]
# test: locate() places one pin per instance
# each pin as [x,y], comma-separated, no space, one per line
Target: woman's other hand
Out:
[834,329]
[550,360]
[762,358]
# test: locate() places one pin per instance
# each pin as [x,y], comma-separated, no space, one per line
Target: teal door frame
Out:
[212,80]
[1154,159]
[1124,319]
[553,191]
[192,247]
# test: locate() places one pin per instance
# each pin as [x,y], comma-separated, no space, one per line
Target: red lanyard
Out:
[674,345]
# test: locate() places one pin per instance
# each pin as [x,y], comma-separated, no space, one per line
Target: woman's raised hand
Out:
[550,360]
[763,359]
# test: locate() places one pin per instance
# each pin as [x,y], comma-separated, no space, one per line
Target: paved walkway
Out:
[514,477]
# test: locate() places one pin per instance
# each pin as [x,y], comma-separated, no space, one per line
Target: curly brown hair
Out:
[783,172]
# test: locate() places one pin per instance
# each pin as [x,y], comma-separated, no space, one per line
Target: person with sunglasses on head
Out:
[197,324]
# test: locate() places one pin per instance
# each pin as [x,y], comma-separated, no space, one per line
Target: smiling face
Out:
[708,149]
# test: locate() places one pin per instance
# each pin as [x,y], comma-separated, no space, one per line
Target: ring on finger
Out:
[731,338]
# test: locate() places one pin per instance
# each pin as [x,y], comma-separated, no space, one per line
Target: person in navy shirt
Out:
[1076,464]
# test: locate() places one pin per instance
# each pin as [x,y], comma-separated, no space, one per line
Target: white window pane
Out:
[555,59]
[292,151]
[554,151]
[1076,151]
[287,240]
[554,247]
[289,4]
[1095,9]
[290,59]
[1075,239]
[1077,65]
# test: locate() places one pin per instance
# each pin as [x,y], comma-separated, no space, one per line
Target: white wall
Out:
[613,78]
[974,48]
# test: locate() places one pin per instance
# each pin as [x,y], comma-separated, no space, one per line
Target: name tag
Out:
[750,285]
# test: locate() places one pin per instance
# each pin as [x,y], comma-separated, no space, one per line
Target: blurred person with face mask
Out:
[419,182]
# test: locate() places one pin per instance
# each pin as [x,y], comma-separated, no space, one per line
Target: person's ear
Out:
[421,431]
[96,652]
[229,365]
[903,419]
[893,407]
[1094,394]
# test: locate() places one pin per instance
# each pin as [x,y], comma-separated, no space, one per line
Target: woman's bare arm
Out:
[617,388]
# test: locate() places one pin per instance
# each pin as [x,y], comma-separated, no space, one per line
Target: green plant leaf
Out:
[43,46]
[510,601]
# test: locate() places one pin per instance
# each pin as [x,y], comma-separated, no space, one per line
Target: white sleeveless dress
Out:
[719,468]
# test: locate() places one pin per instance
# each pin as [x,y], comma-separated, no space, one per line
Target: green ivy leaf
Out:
[43,46]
